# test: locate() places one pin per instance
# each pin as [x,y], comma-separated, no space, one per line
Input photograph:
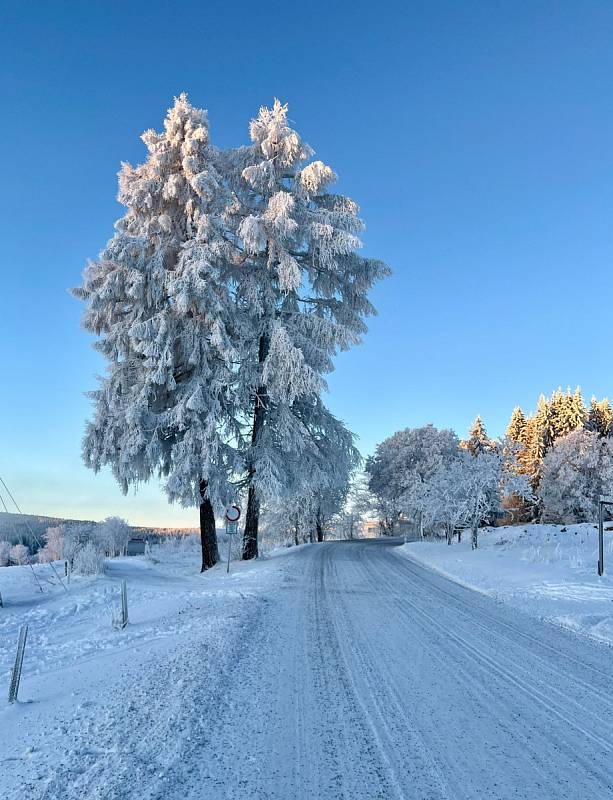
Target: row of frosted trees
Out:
[230,283]
[85,545]
[429,477]
[552,466]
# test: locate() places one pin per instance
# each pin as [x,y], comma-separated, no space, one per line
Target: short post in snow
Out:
[16,676]
[605,500]
[124,604]
[233,514]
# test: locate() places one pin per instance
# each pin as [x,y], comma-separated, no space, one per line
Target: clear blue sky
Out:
[476,136]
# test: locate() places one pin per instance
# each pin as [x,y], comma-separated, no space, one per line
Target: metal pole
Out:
[229,548]
[16,676]
[600,538]
[124,604]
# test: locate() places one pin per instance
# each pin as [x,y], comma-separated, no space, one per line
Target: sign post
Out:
[233,514]
[605,500]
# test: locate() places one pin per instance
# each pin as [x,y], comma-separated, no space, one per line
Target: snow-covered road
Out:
[361,675]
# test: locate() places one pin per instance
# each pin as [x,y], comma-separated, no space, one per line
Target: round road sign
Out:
[233,513]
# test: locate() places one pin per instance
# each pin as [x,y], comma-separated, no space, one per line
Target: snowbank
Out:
[80,671]
[546,570]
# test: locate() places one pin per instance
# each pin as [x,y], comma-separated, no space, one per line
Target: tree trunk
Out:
[208,534]
[459,535]
[252,518]
[319,528]
[473,537]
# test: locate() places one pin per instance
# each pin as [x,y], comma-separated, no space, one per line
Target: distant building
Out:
[136,546]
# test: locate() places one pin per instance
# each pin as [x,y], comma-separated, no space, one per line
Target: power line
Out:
[32,534]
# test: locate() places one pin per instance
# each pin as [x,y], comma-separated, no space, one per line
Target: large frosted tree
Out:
[400,466]
[575,473]
[301,293]
[158,301]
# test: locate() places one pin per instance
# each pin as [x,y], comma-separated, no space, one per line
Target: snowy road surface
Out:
[361,675]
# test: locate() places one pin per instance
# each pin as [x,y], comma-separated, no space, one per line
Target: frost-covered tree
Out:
[517,426]
[158,300]
[359,503]
[53,549]
[317,479]
[600,417]
[566,413]
[485,481]
[113,535]
[471,489]
[443,499]
[19,554]
[478,441]
[575,472]
[401,464]
[301,293]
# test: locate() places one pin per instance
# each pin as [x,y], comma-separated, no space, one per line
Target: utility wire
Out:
[19,537]
[34,536]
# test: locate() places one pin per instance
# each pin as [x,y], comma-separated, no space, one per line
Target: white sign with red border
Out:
[233,513]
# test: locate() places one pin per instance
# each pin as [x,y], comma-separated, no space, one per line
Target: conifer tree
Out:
[157,298]
[302,290]
[600,417]
[478,441]
[517,426]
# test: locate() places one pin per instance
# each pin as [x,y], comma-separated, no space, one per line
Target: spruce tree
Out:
[478,441]
[157,299]
[517,426]
[302,291]
[600,417]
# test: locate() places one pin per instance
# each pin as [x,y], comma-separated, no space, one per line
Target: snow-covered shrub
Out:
[19,554]
[575,472]
[88,560]
[5,553]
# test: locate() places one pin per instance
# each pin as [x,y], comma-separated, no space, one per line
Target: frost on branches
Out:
[158,299]
[400,467]
[230,284]
[575,472]
[302,293]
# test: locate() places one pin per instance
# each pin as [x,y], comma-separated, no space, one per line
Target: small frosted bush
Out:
[19,554]
[88,560]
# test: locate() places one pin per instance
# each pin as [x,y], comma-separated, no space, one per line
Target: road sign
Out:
[233,513]
[231,528]
[605,500]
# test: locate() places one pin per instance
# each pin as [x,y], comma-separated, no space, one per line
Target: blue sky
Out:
[476,137]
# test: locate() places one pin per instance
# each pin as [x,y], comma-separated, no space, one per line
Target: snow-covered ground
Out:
[547,570]
[337,671]
[78,666]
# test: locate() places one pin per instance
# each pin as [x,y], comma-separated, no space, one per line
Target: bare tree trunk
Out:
[252,517]
[473,537]
[459,535]
[208,534]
